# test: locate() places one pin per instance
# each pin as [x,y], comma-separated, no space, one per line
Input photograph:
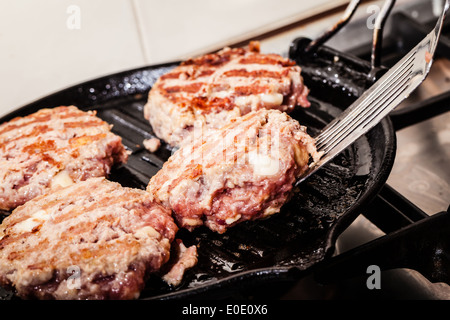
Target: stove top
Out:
[418,188]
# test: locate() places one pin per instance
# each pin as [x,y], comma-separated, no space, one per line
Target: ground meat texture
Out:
[185,258]
[92,240]
[244,171]
[211,89]
[152,144]
[52,148]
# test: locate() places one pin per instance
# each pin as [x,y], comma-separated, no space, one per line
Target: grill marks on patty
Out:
[210,77]
[254,73]
[114,236]
[189,88]
[62,141]
[211,89]
[242,171]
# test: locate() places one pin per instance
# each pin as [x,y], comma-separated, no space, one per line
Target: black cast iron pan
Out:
[286,246]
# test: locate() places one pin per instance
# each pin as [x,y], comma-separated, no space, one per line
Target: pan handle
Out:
[420,111]
[377,39]
[422,246]
[324,37]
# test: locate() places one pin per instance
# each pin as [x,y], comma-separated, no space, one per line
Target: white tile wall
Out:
[48,45]
[40,54]
[180,29]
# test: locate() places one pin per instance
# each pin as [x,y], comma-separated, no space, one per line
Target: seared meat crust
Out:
[52,148]
[92,240]
[243,171]
[210,90]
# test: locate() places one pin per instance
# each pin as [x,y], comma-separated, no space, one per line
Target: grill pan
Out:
[287,246]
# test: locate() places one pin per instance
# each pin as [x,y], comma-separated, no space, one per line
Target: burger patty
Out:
[92,240]
[209,90]
[244,171]
[52,148]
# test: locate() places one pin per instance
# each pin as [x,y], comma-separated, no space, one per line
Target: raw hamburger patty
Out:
[211,89]
[92,240]
[244,171]
[54,147]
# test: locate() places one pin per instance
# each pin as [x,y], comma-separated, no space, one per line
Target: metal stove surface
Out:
[421,171]
[423,179]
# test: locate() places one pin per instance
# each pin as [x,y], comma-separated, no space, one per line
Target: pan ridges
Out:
[258,252]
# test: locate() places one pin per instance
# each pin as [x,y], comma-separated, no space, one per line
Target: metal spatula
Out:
[381,98]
